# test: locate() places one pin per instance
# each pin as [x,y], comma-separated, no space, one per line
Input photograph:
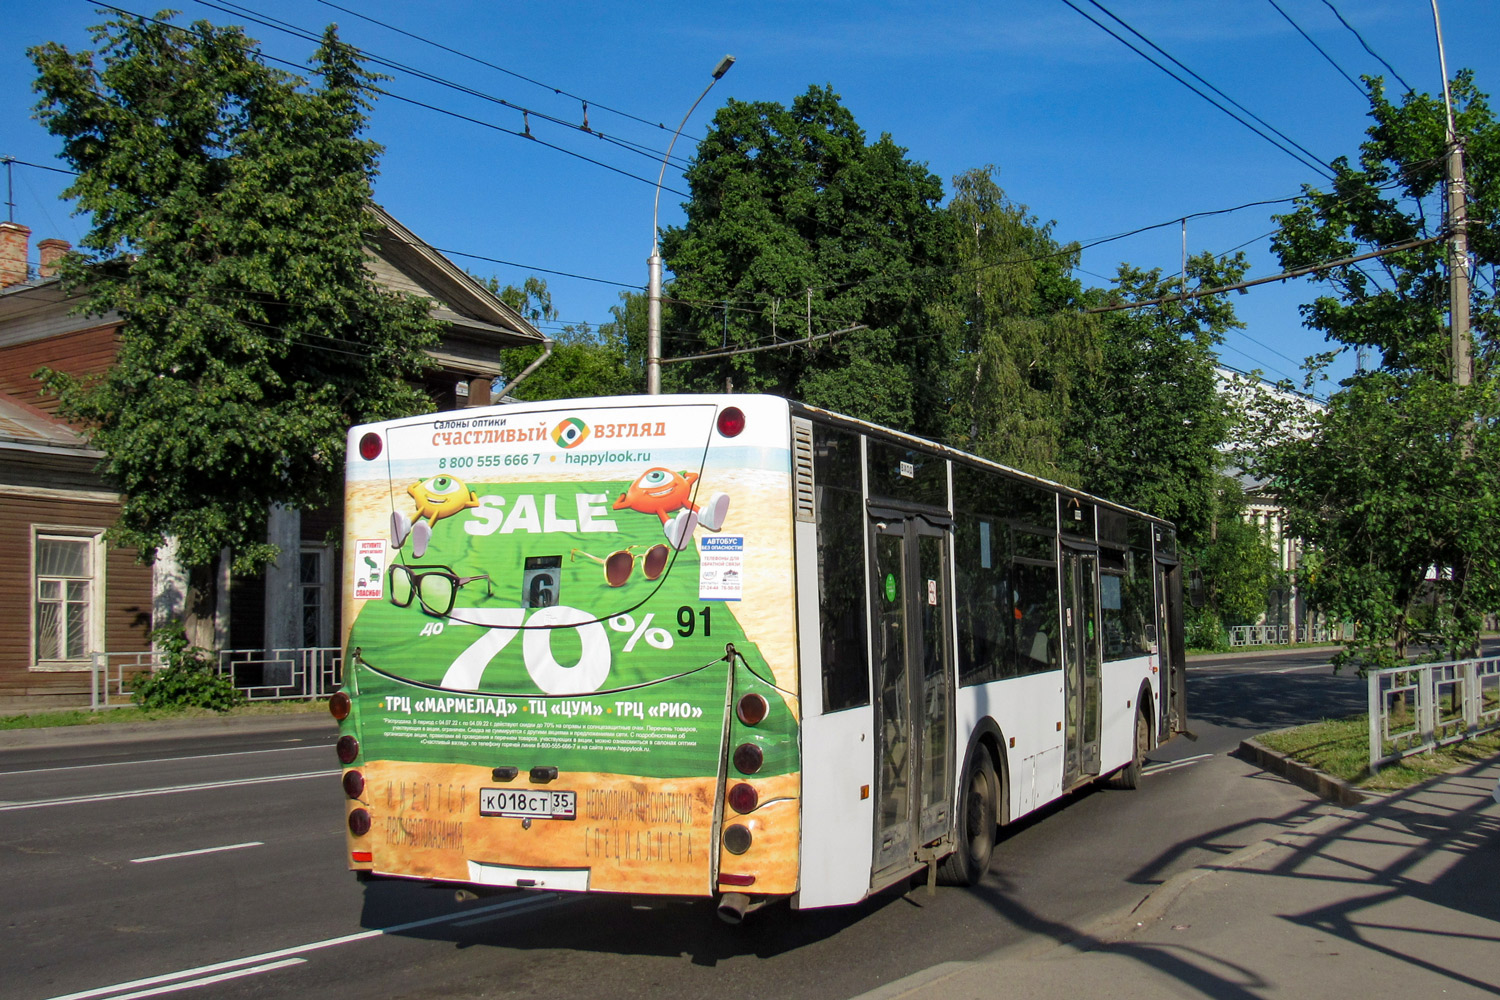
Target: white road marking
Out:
[485,918]
[299,949]
[1172,765]
[1296,670]
[172,790]
[210,980]
[163,760]
[201,850]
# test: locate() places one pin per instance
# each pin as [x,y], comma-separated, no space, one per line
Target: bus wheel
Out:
[976,824]
[1129,776]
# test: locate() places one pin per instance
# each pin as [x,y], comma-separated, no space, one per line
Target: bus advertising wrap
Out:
[550,617]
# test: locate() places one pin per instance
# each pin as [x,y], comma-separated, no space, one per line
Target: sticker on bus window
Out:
[932,592]
[369,569]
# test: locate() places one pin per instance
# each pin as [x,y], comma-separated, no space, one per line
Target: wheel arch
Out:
[988,738]
[1146,704]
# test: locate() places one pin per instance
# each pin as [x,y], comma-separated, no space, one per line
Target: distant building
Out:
[71,593]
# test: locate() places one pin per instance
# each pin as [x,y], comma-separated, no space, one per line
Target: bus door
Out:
[914,712]
[1170,649]
[1080,609]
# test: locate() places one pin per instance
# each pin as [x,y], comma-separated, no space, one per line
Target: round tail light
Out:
[747,758]
[752,709]
[348,749]
[737,839]
[370,446]
[743,798]
[339,705]
[359,822]
[731,421]
[354,784]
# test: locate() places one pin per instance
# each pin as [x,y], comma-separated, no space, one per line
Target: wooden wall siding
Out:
[86,352]
[127,608]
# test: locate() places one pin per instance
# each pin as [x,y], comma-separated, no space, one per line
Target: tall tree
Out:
[1018,340]
[1401,475]
[1149,421]
[227,202]
[798,226]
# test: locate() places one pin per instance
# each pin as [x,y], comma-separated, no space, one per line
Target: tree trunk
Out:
[198,617]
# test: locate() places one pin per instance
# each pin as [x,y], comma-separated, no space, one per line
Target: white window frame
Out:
[94,637]
[325,584]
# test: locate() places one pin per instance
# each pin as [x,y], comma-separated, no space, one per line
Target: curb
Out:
[168,729]
[1320,783]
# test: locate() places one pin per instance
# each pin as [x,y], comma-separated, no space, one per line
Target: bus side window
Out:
[843,629]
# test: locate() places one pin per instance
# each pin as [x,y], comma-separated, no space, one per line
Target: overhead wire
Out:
[1355,32]
[1311,162]
[498,68]
[1352,82]
[306,34]
[1180,65]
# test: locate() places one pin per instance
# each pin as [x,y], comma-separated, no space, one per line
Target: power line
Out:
[277,24]
[464,55]
[1313,163]
[1352,82]
[1179,64]
[1329,4]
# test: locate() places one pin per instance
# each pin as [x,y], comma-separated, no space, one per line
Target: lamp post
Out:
[653,263]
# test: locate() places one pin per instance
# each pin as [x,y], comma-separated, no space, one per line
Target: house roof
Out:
[27,428]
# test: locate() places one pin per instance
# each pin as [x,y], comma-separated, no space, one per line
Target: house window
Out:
[65,569]
[316,609]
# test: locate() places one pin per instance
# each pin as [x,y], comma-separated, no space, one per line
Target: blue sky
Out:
[1084,131]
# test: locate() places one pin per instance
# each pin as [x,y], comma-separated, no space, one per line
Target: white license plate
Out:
[528,803]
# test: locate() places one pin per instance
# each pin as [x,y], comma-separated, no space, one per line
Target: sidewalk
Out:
[1399,897]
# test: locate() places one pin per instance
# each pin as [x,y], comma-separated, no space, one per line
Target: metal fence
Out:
[1284,635]
[260,674]
[1419,707]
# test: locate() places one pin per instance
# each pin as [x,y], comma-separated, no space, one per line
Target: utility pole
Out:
[1461,350]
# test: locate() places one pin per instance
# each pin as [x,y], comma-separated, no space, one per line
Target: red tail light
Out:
[736,879]
[358,856]
[743,798]
[354,784]
[348,749]
[747,758]
[370,446]
[359,822]
[752,709]
[339,705]
[731,421]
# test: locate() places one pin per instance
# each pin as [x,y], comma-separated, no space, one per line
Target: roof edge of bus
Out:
[795,406]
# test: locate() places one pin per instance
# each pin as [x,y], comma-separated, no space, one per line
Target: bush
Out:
[190,679]
[1206,631]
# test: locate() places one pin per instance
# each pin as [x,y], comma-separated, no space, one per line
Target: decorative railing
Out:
[1284,635]
[261,674]
[1426,705]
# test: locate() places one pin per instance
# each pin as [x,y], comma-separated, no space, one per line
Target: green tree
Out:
[1019,341]
[1399,480]
[797,226]
[228,208]
[1148,422]
[585,362]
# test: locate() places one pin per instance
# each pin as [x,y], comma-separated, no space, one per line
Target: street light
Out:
[653,263]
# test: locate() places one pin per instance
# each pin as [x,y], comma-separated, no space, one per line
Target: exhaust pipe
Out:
[732,908]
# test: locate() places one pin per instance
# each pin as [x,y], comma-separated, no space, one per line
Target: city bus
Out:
[728,646]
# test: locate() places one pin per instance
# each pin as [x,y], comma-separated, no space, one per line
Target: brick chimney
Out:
[52,251]
[15,240]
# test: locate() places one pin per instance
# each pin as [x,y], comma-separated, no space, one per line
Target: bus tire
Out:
[1129,776]
[977,815]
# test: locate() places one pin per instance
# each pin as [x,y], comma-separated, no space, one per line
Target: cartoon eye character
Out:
[440,497]
[662,492]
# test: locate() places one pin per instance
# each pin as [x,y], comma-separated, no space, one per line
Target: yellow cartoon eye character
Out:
[440,497]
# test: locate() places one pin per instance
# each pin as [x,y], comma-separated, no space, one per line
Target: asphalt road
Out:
[216,866]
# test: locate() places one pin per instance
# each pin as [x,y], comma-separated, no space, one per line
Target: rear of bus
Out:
[570,647]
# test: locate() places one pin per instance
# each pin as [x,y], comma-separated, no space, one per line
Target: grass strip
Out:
[1341,747]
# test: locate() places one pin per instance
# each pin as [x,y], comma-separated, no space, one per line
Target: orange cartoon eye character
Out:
[441,496]
[663,492]
[659,492]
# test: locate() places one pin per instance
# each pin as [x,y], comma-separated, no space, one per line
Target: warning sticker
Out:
[369,569]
